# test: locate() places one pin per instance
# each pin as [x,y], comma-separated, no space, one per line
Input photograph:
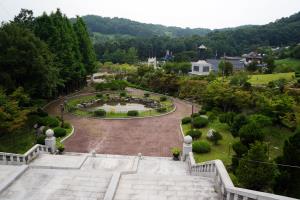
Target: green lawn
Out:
[223,150]
[286,65]
[275,138]
[263,79]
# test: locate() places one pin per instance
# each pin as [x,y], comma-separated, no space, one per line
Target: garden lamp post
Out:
[62,109]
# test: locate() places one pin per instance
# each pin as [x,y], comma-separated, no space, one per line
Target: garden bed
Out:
[110,102]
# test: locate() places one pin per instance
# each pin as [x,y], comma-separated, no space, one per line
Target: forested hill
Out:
[121,26]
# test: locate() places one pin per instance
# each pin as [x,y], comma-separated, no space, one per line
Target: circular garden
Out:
[114,104]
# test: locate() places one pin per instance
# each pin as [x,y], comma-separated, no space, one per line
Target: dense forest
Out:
[47,55]
[111,35]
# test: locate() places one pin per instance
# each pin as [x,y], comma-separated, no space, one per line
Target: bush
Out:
[132,113]
[200,122]
[100,86]
[250,133]
[227,118]
[211,116]
[216,136]
[186,120]
[239,149]
[195,134]
[67,125]
[100,113]
[49,121]
[195,115]
[59,132]
[40,112]
[99,96]
[60,147]
[176,152]
[202,111]
[163,98]
[161,109]
[41,139]
[201,147]
[123,94]
[260,120]
[146,95]
[238,121]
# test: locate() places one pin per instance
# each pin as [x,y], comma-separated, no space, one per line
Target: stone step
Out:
[157,187]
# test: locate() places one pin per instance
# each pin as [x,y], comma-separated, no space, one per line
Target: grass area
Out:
[223,150]
[18,142]
[168,104]
[263,79]
[275,137]
[287,65]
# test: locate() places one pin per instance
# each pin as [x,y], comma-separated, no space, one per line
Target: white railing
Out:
[22,159]
[223,183]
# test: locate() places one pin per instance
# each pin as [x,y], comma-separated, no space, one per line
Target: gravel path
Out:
[149,136]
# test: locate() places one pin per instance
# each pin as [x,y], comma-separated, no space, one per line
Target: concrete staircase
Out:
[163,187]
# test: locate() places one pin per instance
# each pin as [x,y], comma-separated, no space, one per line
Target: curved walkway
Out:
[149,136]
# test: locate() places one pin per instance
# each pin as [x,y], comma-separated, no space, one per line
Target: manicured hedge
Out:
[48,121]
[100,113]
[132,113]
[163,98]
[67,125]
[59,132]
[195,115]
[186,120]
[195,134]
[200,122]
[161,110]
[201,147]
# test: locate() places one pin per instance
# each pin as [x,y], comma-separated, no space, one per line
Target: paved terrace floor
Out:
[149,136]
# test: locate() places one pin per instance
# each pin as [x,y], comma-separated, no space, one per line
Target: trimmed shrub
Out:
[195,115]
[250,133]
[211,116]
[123,94]
[100,113]
[201,147]
[238,121]
[41,139]
[59,132]
[99,95]
[161,109]
[146,95]
[67,125]
[186,120]
[132,113]
[40,112]
[195,134]
[202,111]
[200,122]
[49,121]
[163,98]
[239,149]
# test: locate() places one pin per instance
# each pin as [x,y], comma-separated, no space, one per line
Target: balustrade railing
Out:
[21,159]
[223,183]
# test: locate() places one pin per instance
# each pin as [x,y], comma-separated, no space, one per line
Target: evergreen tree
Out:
[85,46]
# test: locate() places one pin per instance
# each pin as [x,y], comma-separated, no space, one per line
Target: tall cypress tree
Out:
[85,45]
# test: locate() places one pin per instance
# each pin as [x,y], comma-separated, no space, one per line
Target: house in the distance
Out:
[252,57]
[201,68]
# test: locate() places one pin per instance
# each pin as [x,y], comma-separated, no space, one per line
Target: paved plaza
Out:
[150,136]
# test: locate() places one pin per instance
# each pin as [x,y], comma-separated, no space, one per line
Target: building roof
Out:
[201,62]
[202,47]
[252,55]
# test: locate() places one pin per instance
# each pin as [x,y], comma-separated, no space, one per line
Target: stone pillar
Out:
[50,140]
[187,147]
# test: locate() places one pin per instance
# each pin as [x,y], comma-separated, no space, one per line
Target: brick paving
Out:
[149,136]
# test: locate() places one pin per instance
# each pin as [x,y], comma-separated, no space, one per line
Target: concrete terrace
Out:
[79,176]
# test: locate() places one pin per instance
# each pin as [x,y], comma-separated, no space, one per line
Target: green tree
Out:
[250,133]
[85,46]
[225,68]
[255,171]
[288,183]
[26,61]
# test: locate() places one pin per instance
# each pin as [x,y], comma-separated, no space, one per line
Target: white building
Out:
[201,68]
[152,62]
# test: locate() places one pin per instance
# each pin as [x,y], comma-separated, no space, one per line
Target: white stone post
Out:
[187,147]
[50,140]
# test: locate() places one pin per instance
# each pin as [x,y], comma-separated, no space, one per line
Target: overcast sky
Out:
[183,13]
